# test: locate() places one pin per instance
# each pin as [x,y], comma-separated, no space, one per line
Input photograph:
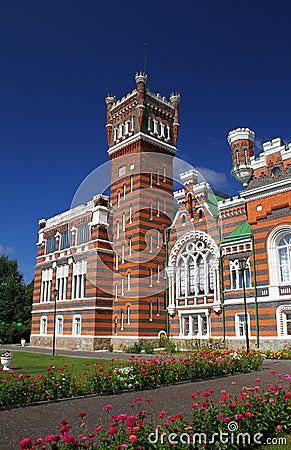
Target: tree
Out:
[15,296]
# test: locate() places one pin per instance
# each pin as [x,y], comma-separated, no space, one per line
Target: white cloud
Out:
[218,180]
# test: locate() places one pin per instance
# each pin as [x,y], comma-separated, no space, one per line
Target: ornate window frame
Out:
[273,257]
[281,320]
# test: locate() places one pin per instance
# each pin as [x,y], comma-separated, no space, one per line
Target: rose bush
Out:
[136,373]
[235,422]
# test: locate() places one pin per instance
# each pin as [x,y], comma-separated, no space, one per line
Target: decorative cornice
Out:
[138,136]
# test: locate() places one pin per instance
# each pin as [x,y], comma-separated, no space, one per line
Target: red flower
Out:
[248,414]
[132,438]
[82,414]
[25,444]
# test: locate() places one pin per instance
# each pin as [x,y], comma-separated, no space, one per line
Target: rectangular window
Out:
[51,244]
[59,325]
[76,325]
[43,325]
[62,281]
[241,324]
[194,325]
[82,234]
[288,323]
[79,279]
[65,240]
[46,285]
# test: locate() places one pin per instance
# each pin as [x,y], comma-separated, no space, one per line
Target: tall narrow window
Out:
[123,222]
[122,286]
[128,281]
[62,276]
[121,320]
[158,208]
[151,311]
[116,261]
[59,325]
[117,230]
[158,306]
[192,277]
[182,275]
[124,190]
[129,246]
[164,173]
[158,273]
[151,179]
[128,315]
[65,240]
[131,183]
[284,250]
[151,211]
[118,198]
[151,277]
[82,234]
[46,285]
[201,275]
[151,244]
[122,254]
[51,244]
[43,325]
[76,325]
[158,177]
[79,279]
[116,292]
[130,214]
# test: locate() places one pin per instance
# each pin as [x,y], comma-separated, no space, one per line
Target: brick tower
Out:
[142,131]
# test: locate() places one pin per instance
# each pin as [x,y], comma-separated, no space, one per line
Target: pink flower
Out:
[227,419]
[25,444]
[279,427]
[107,407]
[112,431]
[132,438]
[257,380]
[220,416]
[239,416]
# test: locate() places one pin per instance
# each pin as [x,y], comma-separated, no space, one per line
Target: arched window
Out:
[191,277]
[279,255]
[196,270]
[182,275]
[284,253]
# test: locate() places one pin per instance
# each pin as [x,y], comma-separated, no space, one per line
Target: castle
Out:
[148,262]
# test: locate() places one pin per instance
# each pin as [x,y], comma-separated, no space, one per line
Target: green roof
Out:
[241,232]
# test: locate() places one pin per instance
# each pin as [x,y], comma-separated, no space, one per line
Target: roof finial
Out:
[145,57]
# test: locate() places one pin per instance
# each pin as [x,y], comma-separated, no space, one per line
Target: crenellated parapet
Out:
[143,114]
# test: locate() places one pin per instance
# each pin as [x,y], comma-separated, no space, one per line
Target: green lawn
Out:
[35,363]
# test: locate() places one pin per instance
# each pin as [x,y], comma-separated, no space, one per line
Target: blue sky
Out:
[230,60]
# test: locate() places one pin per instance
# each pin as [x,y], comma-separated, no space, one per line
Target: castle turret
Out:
[241,142]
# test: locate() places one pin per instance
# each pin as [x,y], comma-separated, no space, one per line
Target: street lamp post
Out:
[242,263]
[55,293]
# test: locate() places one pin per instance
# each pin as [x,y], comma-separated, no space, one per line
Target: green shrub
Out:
[11,333]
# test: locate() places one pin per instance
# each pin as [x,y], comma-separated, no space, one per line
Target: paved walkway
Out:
[41,419]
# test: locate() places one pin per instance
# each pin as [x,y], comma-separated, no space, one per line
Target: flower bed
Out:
[136,373]
[243,421]
[278,354]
